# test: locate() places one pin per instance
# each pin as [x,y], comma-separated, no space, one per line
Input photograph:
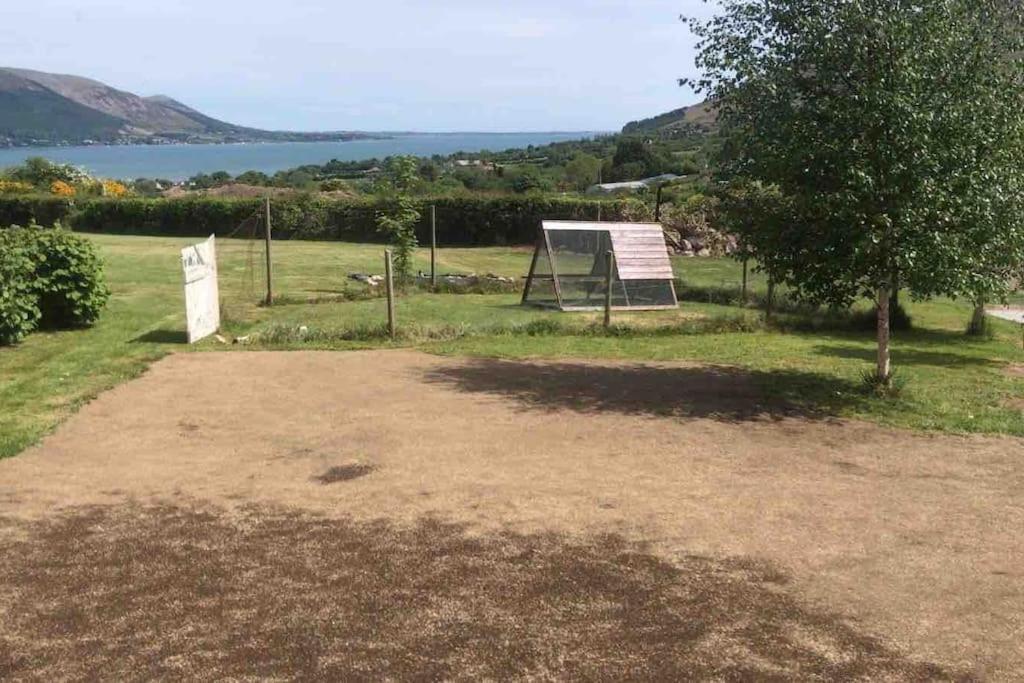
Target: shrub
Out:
[112,188]
[15,187]
[62,189]
[892,387]
[68,279]
[19,302]
[53,278]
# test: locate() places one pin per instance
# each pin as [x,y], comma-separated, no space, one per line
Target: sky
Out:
[457,65]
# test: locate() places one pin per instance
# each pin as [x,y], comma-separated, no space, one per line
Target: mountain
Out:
[38,108]
[698,118]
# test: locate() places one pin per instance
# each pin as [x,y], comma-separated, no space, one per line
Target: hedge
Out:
[43,210]
[472,221]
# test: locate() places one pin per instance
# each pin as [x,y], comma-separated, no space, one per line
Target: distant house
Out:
[630,186]
[474,163]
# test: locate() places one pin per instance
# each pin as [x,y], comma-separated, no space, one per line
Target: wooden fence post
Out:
[270,272]
[433,246]
[609,278]
[390,284]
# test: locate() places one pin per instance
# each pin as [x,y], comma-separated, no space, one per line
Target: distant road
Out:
[177,162]
[1015,315]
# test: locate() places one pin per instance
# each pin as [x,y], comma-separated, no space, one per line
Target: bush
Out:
[53,279]
[68,279]
[19,303]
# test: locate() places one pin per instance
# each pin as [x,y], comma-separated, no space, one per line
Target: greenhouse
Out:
[569,270]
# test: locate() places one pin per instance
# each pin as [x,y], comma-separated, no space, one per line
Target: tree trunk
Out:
[884,360]
[978,320]
[769,305]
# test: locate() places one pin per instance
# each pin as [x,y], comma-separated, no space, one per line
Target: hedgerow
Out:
[464,221]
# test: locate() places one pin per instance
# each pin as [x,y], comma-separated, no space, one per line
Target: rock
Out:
[685,246]
[242,340]
[371,280]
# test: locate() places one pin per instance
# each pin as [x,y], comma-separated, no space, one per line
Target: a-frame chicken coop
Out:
[569,268]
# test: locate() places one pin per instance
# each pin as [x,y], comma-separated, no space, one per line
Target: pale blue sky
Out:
[373,65]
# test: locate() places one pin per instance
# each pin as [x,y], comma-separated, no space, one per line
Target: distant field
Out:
[953,383]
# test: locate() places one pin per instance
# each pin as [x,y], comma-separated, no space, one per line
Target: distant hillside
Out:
[38,108]
[697,118]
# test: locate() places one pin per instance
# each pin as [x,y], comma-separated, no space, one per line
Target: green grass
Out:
[953,383]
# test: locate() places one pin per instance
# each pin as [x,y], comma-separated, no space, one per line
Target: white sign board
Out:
[202,297]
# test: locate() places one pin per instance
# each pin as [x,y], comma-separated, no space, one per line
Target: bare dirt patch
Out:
[160,592]
[912,540]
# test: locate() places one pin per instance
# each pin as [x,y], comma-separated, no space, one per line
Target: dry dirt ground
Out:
[397,515]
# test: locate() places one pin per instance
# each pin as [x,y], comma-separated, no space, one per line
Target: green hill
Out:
[39,108]
[29,111]
[699,118]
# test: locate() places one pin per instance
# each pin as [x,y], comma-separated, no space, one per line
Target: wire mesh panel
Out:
[580,260]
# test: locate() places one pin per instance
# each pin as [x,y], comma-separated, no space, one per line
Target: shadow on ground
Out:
[905,356]
[162,337]
[161,592]
[722,393]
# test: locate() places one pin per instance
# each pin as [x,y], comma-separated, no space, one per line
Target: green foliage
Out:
[894,133]
[398,223]
[149,187]
[334,185]
[467,221]
[891,387]
[19,303]
[400,174]
[398,218]
[42,172]
[583,170]
[53,279]
[68,277]
[526,180]
[43,210]
[635,159]
[253,178]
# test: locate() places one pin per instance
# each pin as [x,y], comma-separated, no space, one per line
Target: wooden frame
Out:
[641,255]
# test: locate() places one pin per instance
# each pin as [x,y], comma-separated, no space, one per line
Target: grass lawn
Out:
[953,383]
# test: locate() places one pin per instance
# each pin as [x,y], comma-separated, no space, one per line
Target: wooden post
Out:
[270,271]
[609,278]
[743,294]
[533,270]
[390,284]
[433,246]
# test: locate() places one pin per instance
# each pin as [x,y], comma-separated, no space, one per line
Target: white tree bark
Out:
[884,358]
